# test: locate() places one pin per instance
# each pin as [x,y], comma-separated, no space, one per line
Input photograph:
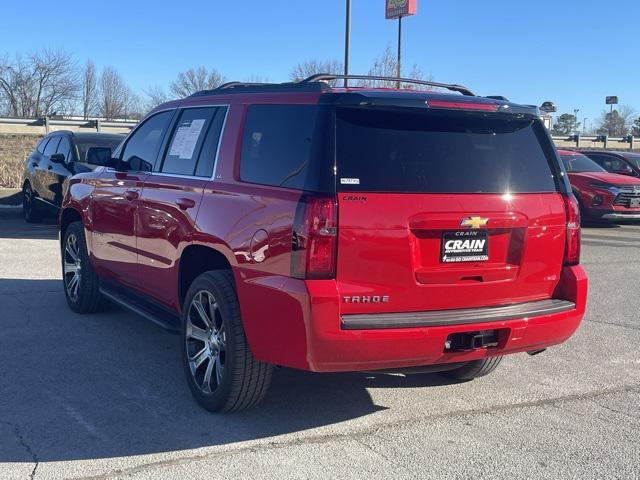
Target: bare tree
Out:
[311,67]
[257,78]
[117,100]
[386,65]
[195,79]
[90,92]
[155,96]
[43,83]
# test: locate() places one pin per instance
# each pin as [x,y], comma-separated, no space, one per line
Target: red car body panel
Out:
[387,246]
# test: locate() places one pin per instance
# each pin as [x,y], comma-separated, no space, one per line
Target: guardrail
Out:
[604,142]
[97,124]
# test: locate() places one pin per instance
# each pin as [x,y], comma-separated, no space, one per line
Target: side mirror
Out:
[548,107]
[112,163]
[57,158]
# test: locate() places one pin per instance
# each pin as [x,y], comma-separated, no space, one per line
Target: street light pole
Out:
[575,120]
[347,42]
[399,66]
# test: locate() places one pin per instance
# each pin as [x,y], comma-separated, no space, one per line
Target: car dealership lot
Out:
[103,396]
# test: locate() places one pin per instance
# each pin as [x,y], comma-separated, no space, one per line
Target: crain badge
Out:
[350,181]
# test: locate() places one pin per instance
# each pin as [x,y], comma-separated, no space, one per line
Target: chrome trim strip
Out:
[439,318]
[621,216]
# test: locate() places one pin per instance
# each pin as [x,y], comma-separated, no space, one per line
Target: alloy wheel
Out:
[72,267]
[205,339]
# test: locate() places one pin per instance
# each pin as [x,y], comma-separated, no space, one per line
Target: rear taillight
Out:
[572,247]
[314,239]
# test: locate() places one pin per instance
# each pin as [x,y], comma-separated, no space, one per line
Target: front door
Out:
[116,198]
[171,198]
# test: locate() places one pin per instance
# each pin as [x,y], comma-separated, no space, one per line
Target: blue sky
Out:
[570,51]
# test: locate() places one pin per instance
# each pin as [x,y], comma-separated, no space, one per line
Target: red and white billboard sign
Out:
[400,8]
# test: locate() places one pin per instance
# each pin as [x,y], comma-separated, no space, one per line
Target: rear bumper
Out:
[313,336]
[445,318]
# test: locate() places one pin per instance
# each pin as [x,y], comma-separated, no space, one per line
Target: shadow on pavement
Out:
[13,226]
[111,384]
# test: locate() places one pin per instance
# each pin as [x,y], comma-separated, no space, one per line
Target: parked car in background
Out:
[331,230]
[602,195]
[622,163]
[57,157]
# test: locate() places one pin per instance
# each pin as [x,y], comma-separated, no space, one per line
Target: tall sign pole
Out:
[347,42]
[396,9]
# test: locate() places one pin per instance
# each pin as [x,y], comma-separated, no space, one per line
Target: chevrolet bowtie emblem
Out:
[474,222]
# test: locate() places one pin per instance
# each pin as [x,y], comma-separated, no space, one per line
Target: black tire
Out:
[87,297]
[474,369]
[30,210]
[243,381]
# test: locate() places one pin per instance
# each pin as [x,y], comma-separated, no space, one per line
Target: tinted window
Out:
[577,162]
[610,163]
[42,144]
[186,141]
[143,146]
[285,146]
[207,159]
[52,146]
[391,151]
[633,158]
[64,147]
[101,149]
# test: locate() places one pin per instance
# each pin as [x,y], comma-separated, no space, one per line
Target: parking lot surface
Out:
[103,396]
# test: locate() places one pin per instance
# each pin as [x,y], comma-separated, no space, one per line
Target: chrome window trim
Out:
[177,175]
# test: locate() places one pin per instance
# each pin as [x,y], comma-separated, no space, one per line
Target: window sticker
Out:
[350,181]
[185,139]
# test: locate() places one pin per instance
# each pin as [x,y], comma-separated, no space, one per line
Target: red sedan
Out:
[601,195]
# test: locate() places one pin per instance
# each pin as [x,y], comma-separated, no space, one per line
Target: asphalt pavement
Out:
[103,396]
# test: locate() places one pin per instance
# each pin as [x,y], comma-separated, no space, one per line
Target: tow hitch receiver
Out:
[460,342]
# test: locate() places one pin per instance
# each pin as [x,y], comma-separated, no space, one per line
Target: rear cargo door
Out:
[443,210]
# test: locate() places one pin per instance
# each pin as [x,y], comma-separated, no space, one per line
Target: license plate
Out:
[464,246]
[634,203]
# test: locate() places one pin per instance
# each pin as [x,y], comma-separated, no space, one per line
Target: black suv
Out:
[622,163]
[57,157]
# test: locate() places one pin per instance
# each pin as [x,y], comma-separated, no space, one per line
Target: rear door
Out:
[445,210]
[171,197]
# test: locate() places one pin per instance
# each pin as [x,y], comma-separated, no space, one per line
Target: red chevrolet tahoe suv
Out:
[331,229]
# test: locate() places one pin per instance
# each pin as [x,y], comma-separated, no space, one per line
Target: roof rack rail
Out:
[245,87]
[317,83]
[327,77]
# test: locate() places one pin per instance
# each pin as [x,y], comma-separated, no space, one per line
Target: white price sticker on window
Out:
[186,138]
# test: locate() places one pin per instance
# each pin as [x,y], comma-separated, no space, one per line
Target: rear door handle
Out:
[185,203]
[131,195]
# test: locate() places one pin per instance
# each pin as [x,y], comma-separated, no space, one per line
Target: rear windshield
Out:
[577,162]
[103,148]
[392,151]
